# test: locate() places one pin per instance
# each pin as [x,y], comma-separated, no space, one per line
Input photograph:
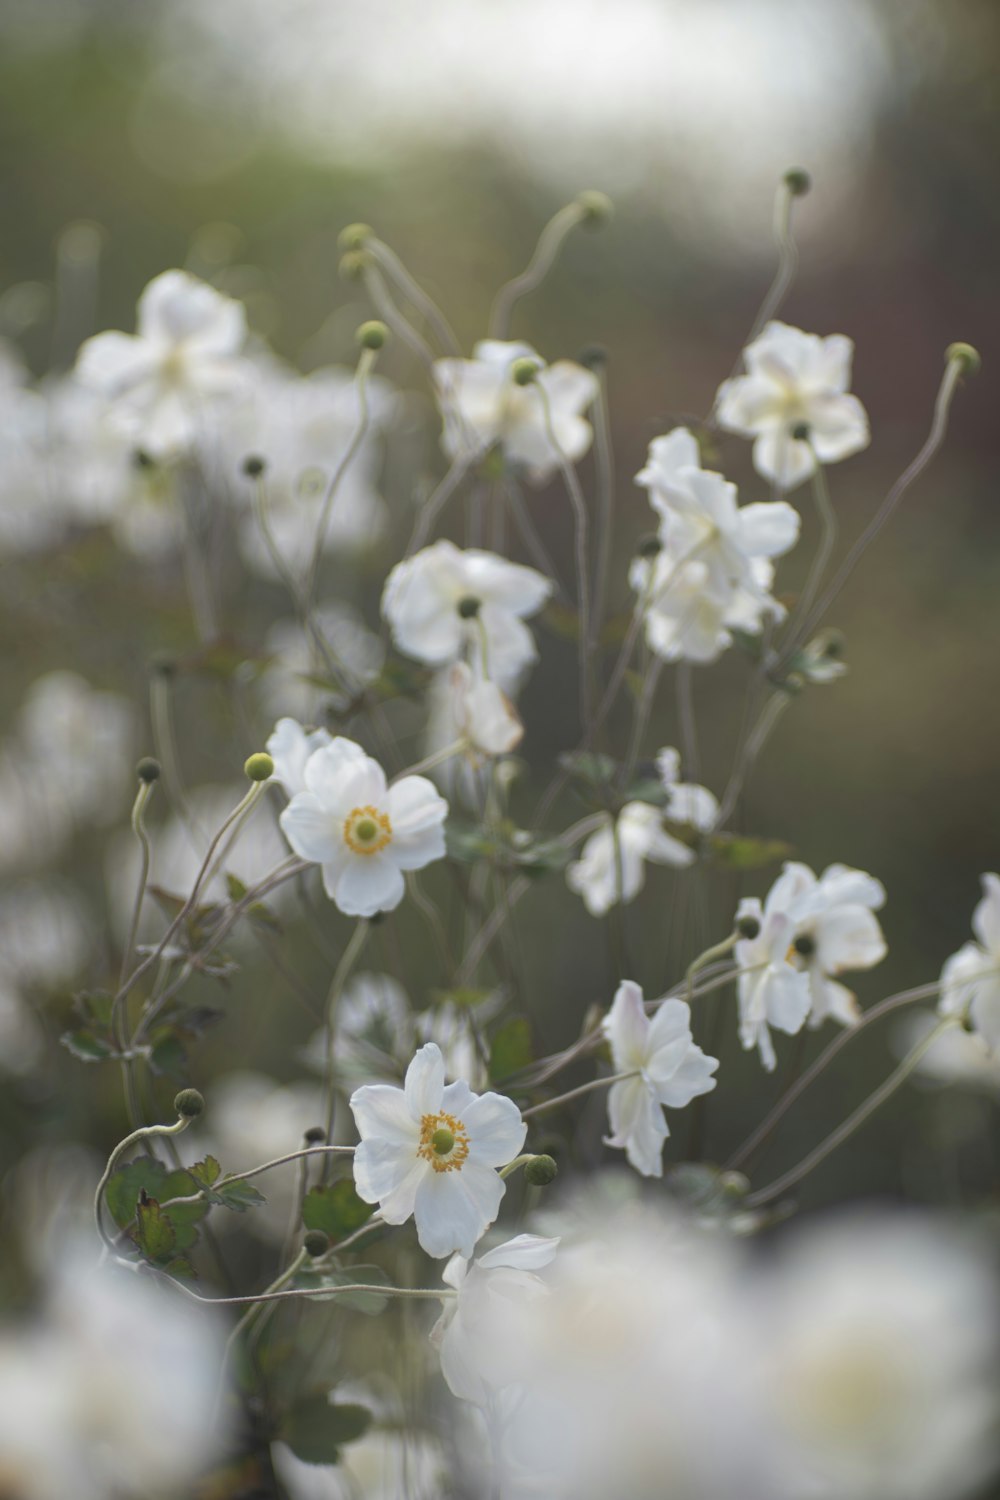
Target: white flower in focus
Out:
[443,602]
[290,747]
[361,832]
[771,990]
[686,801]
[835,930]
[970,980]
[639,835]
[870,1347]
[432,1150]
[482,404]
[185,351]
[670,1072]
[483,1334]
[794,379]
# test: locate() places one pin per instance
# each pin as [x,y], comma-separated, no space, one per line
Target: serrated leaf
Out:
[511,1049]
[239,1196]
[154,1232]
[145,1175]
[369,1303]
[336,1209]
[315,1428]
[736,852]
[205,1172]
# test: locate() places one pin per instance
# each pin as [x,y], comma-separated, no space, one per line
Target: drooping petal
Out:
[638,1125]
[690,1079]
[782,459]
[366,884]
[768,528]
[849,937]
[454,1209]
[312,832]
[627,1028]
[525,1252]
[986,917]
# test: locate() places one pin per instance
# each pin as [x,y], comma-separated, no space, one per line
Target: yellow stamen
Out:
[366,830]
[443,1142]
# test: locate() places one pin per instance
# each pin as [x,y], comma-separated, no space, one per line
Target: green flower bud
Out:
[354,264]
[148,770]
[797,181]
[259,767]
[372,335]
[469,607]
[315,1135]
[315,1242]
[649,545]
[524,371]
[354,236]
[748,927]
[189,1103]
[254,466]
[597,208]
[964,355]
[540,1171]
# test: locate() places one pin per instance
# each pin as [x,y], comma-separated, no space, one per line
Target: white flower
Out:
[686,801]
[361,832]
[476,710]
[432,1150]
[640,836]
[772,991]
[443,601]
[835,929]
[185,350]
[970,980]
[482,405]
[670,1069]
[483,1333]
[290,686]
[794,379]
[290,747]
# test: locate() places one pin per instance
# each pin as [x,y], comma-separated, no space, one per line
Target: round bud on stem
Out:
[254,466]
[596,207]
[315,1243]
[797,181]
[354,264]
[524,371]
[649,546]
[540,1171]
[259,767]
[315,1135]
[748,927]
[965,356]
[801,432]
[189,1104]
[372,335]
[148,770]
[469,607]
[354,237]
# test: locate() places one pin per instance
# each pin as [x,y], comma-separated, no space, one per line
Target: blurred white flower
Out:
[184,353]
[771,990]
[955,1057]
[835,929]
[290,746]
[384,1464]
[483,1335]
[970,980]
[361,832]
[612,862]
[431,1150]
[442,602]
[670,1071]
[794,379]
[288,685]
[112,1392]
[536,424]
[477,711]
[687,802]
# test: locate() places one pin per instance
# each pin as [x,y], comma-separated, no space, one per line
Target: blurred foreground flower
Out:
[970,980]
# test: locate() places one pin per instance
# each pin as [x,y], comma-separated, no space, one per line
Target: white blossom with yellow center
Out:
[432,1150]
[360,831]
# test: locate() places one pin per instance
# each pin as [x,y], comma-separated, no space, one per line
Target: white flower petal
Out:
[454,1209]
[366,884]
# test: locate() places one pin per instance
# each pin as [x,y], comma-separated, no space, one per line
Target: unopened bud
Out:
[649,546]
[597,208]
[254,466]
[148,770]
[189,1104]
[524,371]
[354,237]
[315,1242]
[594,357]
[540,1171]
[314,1135]
[965,356]
[748,927]
[469,607]
[797,181]
[259,767]
[372,335]
[354,264]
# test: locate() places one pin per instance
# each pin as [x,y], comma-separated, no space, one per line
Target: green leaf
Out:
[154,1233]
[467,842]
[126,1187]
[315,1428]
[587,766]
[736,852]
[238,1196]
[464,997]
[237,890]
[511,1049]
[205,1172]
[646,789]
[369,1303]
[87,1045]
[336,1209]
[167,1055]
[542,857]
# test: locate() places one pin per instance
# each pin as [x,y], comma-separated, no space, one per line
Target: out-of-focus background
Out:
[237,138]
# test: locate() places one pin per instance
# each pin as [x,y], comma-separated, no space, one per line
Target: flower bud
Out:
[354,264]
[748,927]
[540,1171]
[372,335]
[254,466]
[189,1104]
[148,770]
[469,607]
[259,767]
[649,545]
[797,181]
[315,1242]
[315,1135]
[597,208]
[354,237]
[524,371]
[965,356]
[594,357]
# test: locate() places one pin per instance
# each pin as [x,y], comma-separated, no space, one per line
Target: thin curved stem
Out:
[546,252]
[584,1088]
[365,364]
